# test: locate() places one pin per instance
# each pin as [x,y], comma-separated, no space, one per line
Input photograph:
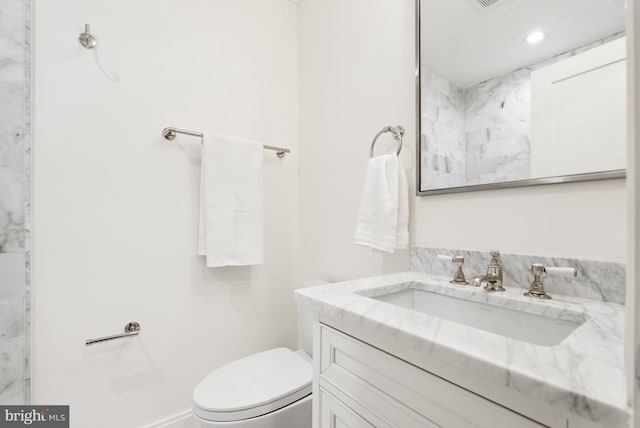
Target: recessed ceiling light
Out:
[535,37]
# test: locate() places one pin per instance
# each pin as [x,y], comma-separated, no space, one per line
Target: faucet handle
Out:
[536,290]
[567,272]
[458,277]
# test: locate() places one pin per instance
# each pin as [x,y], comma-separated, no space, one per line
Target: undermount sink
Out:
[537,329]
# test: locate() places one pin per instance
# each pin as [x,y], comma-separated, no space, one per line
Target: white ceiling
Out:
[467,46]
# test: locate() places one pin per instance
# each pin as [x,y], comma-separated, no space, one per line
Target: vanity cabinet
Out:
[358,385]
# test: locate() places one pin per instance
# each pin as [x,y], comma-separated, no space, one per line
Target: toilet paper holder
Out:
[130,329]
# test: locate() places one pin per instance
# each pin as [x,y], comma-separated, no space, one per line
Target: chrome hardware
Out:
[131,329]
[458,277]
[398,133]
[86,39]
[476,281]
[493,278]
[536,290]
[170,134]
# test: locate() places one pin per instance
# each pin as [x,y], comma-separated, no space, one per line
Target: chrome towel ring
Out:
[398,133]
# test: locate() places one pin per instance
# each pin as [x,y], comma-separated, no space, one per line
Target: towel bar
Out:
[170,134]
[131,329]
[398,133]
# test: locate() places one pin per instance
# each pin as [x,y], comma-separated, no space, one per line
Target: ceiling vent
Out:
[486,5]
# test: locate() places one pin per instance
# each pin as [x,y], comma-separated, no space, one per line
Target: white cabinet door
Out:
[390,392]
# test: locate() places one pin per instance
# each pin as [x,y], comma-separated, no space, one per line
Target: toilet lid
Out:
[253,386]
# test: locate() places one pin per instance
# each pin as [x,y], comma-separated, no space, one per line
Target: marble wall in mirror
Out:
[498,110]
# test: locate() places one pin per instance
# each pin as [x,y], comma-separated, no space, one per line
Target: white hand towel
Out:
[402,232]
[231,202]
[383,218]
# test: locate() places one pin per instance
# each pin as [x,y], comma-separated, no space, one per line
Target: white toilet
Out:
[270,389]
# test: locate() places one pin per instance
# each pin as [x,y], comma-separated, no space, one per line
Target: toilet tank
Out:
[305,320]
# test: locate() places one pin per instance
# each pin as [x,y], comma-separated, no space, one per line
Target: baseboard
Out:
[179,420]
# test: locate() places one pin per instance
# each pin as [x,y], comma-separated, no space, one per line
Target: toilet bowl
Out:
[270,389]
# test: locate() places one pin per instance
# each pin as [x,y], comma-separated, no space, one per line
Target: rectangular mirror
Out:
[519,92]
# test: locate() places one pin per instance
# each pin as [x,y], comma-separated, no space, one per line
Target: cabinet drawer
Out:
[401,394]
[337,415]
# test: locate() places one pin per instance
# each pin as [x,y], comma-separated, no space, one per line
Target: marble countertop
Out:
[583,374]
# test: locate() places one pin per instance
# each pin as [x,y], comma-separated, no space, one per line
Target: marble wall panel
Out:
[12,104]
[12,317]
[497,125]
[11,232]
[11,183]
[442,139]
[12,274]
[14,197]
[596,280]
[12,43]
[12,376]
[12,147]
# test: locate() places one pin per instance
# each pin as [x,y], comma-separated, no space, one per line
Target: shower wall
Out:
[14,202]
[481,133]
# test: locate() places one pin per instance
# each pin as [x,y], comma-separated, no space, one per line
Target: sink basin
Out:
[537,329]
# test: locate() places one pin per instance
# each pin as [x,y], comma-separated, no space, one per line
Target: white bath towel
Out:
[383,217]
[231,202]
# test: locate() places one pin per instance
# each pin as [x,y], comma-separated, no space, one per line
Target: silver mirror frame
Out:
[591,176]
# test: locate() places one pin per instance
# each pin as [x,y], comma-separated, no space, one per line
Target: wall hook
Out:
[86,39]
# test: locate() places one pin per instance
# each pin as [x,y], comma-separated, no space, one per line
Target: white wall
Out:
[357,75]
[116,206]
[582,220]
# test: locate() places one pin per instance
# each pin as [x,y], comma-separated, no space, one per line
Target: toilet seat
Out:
[253,386]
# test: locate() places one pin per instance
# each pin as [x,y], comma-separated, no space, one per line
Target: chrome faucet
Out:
[493,278]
